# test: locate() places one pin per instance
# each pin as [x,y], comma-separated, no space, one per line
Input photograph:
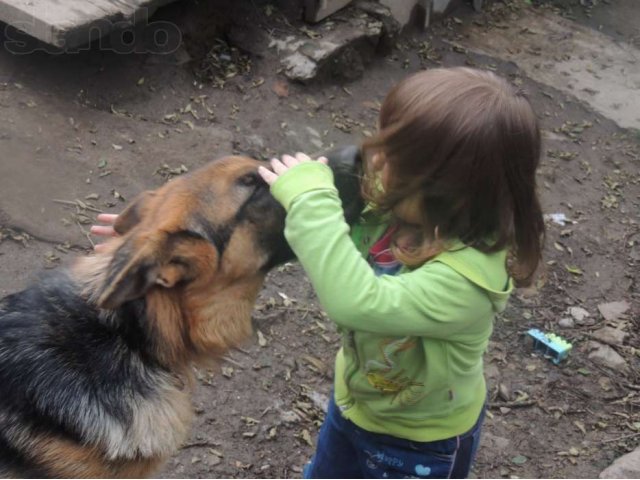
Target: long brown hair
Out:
[461,147]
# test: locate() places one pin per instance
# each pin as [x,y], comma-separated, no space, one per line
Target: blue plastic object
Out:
[550,344]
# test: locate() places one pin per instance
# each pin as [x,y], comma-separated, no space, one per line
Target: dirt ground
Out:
[99,127]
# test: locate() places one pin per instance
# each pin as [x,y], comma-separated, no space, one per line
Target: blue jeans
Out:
[347,451]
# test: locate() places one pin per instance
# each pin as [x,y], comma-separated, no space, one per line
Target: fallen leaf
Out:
[262,341]
[217,453]
[307,437]
[286,301]
[574,270]
[315,363]
[250,421]
[280,88]
[117,195]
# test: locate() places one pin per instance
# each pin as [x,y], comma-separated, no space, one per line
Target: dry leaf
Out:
[307,437]
[280,88]
[262,341]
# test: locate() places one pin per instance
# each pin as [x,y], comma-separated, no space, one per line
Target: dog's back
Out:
[80,392]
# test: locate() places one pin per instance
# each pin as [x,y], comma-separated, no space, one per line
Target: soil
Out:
[109,125]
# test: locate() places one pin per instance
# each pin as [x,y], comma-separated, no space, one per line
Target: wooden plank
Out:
[71,23]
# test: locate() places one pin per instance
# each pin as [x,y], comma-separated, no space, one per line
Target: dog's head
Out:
[197,250]
[214,227]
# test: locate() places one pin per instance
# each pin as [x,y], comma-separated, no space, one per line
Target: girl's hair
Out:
[461,147]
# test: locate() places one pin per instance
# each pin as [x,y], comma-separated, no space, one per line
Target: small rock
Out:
[504,392]
[627,466]
[289,417]
[605,384]
[613,310]
[493,442]
[578,313]
[299,67]
[610,335]
[566,323]
[606,356]
[320,400]
[491,371]
[255,142]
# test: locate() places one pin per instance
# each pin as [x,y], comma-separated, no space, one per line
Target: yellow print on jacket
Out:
[388,378]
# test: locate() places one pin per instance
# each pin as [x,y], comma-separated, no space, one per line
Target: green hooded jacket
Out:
[410,364]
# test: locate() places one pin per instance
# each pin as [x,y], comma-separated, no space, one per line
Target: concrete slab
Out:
[71,23]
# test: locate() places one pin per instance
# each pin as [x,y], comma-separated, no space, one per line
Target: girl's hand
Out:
[104,230]
[279,167]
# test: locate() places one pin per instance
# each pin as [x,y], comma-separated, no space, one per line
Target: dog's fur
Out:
[96,360]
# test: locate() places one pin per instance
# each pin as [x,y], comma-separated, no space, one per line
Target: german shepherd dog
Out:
[96,360]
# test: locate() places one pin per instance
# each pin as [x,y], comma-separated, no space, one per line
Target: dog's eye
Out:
[250,180]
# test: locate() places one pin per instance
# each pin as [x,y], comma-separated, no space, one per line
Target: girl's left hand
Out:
[279,167]
[104,230]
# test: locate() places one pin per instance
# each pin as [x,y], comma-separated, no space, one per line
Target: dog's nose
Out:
[346,163]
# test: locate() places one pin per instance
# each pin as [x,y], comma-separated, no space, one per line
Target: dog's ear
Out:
[132,215]
[133,271]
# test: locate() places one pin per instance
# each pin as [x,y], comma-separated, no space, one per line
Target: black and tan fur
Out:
[96,360]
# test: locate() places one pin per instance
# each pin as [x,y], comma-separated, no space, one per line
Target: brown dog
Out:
[96,360]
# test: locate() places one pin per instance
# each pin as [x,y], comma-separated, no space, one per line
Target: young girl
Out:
[414,287]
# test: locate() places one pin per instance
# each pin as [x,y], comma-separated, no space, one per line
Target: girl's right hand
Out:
[104,230]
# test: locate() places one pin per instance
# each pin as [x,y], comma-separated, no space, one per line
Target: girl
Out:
[415,286]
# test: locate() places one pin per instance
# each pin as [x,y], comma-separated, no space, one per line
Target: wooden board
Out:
[71,23]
